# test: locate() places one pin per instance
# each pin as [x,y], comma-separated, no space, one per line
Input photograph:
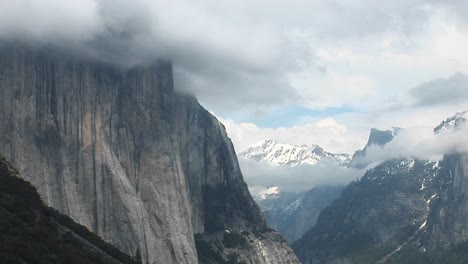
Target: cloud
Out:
[49,20]
[248,55]
[301,178]
[452,90]
[420,143]
[416,142]
[215,54]
[327,133]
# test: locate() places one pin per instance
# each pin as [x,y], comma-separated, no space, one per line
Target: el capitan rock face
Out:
[121,153]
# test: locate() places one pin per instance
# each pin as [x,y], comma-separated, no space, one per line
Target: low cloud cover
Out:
[215,55]
[252,54]
[295,179]
[419,143]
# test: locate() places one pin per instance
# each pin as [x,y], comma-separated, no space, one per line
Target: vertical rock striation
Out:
[447,222]
[121,153]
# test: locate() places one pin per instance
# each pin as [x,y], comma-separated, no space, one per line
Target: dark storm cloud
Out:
[452,90]
[213,56]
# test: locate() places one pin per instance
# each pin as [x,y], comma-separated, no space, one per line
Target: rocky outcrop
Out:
[121,153]
[448,220]
[222,208]
[452,123]
[376,138]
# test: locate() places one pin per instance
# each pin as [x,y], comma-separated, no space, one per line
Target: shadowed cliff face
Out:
[218,193]
[33,233]
[121,153]
[447,222]
[382,211]
[407,211]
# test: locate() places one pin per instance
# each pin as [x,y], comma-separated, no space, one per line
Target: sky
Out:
[297,71]
[270,67]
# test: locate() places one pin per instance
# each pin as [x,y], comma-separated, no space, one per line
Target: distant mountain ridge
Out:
[453,122]
[280,154]
[401,211]
[294,213]
[376,138]
[386,209]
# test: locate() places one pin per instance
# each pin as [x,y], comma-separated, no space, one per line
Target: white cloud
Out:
[251,54]
[413,142]
[420,143]
[364,72]
[259,175]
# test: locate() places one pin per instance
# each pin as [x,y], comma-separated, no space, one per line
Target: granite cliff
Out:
[123,154]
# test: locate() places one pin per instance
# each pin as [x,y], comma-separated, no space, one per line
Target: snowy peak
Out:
[279,154]
[270,193]
[453,122]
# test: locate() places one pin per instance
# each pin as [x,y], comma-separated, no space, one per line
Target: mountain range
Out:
[393,214]
[454,122]
[294,213]
[280,154]
[401,211]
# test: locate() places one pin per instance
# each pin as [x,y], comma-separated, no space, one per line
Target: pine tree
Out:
[138,257]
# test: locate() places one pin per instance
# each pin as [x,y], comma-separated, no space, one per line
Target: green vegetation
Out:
[234,239]
[30,232]
[83,232]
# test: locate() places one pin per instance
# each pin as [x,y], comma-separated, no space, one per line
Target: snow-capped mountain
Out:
[452,122]
[270,193]
[293,213]
[279,154]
